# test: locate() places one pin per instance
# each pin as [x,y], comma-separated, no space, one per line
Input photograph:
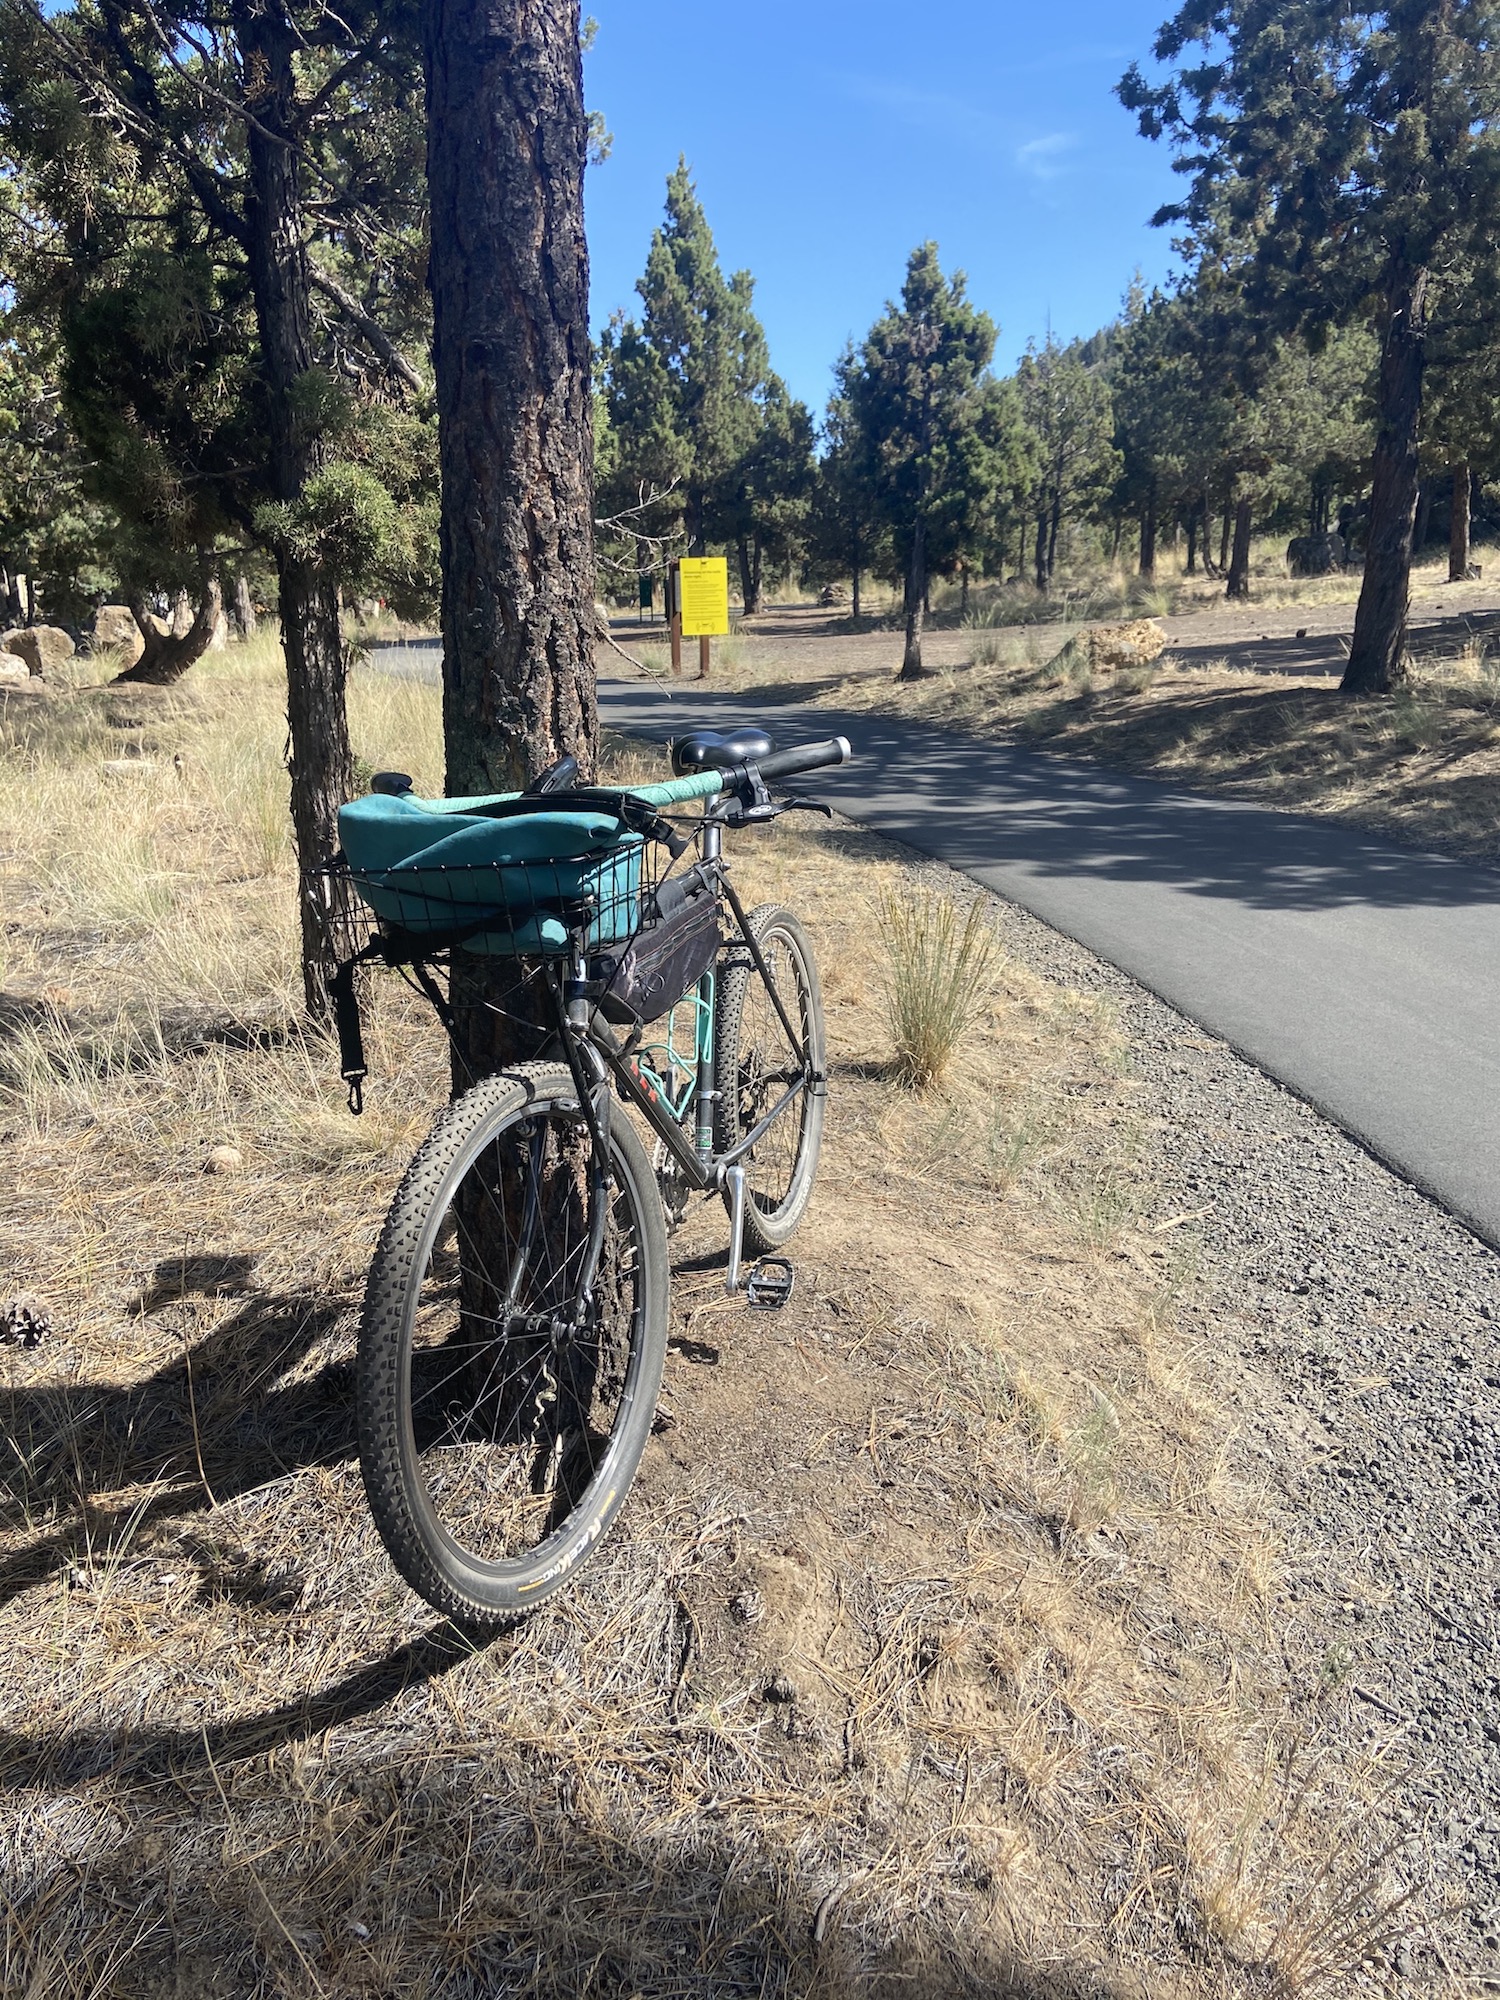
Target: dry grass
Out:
[1091,592]
[938,962]
[965,1509]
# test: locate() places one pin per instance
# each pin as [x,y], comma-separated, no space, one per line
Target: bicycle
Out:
[515,1324]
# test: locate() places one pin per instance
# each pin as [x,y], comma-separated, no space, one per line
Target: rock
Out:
[42,647]
[115,631]
[24,1321]
[224,1160]
[1316,555]
[1128,645]
[13,669]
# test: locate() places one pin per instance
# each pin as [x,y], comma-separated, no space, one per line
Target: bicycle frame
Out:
[581,1028]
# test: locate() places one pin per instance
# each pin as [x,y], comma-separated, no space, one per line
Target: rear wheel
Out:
[512,1347]
[757,1065]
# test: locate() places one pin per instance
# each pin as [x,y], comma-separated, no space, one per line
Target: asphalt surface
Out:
[1362,974]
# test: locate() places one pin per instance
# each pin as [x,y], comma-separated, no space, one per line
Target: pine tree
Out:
[919,399]
[696,408]
[1352,150]
[1069,412]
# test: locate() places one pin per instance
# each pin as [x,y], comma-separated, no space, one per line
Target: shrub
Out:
[937,963]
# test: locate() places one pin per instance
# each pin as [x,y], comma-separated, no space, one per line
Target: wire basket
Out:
[518,909]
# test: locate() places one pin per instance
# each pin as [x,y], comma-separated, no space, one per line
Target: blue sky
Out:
[827,138]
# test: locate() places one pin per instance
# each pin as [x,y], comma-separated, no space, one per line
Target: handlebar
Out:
[805,757]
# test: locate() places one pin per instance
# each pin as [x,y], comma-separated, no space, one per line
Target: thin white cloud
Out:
[1045,159]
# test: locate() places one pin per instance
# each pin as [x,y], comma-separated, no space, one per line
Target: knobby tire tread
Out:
[769,1233]
[382,1351]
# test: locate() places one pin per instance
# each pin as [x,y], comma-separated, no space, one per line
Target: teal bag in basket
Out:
[439,866]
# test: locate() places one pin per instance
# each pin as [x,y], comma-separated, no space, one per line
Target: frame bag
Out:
[672,952]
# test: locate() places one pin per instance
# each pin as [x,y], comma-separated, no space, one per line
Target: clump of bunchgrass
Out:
[937,960]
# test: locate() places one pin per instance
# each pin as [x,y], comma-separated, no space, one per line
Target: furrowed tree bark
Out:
[1238,584]
[1458,525]
[1377,652]
[320,761]
[506,145]
[916,592]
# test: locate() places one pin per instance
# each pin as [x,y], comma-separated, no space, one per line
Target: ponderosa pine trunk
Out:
[320,761]
[506,141]
[1458,525]
[1053,526]
[1238,584]
[1377,653]
[749,596]
[916,593]
[1192,544]
[1148,536]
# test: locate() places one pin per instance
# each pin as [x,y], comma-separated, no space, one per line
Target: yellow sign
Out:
[705,596]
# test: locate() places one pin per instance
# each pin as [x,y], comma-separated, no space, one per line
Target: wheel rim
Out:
[513,1405]
[766,1067]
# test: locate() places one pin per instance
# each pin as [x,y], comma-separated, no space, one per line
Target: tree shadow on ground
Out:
[99,1462]
[1019,815]
[505,1863]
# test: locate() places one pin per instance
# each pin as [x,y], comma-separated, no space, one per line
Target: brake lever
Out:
[768,808]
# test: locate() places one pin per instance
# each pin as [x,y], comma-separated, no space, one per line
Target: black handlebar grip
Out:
[805,757]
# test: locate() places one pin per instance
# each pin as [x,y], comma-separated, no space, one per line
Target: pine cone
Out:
[24,1321]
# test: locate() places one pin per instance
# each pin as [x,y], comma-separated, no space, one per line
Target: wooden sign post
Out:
[703,598]
[672,603]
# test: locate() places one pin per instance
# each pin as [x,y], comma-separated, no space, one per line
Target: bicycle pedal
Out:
[770,1284]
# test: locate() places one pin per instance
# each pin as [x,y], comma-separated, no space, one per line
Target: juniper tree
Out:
[273,141]
[1352,150]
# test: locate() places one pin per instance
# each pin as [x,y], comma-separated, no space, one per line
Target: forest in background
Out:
[1327,368]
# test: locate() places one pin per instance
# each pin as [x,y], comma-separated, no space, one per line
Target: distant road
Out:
[1364,975]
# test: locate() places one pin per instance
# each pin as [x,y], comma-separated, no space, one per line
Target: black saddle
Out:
[716,750]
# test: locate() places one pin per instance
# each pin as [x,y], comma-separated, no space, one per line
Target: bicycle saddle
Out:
[713,750]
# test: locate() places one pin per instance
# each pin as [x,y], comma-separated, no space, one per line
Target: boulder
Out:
[115,630]
[13,670]
[1132,644]
[1316,555]
[40,646]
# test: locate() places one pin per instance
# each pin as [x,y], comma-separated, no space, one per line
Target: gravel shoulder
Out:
[1353,1326]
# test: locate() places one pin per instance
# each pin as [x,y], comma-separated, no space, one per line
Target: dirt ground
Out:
[938,1652]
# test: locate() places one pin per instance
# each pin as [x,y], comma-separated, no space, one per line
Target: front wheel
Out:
[757,1065]
[512,1347]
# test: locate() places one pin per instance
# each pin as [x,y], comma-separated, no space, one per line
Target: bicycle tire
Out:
[754,1057]
[451,1447]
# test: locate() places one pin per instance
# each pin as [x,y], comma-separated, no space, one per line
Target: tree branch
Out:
[376,334]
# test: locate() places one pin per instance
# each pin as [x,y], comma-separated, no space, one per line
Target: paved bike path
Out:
[1363,974]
